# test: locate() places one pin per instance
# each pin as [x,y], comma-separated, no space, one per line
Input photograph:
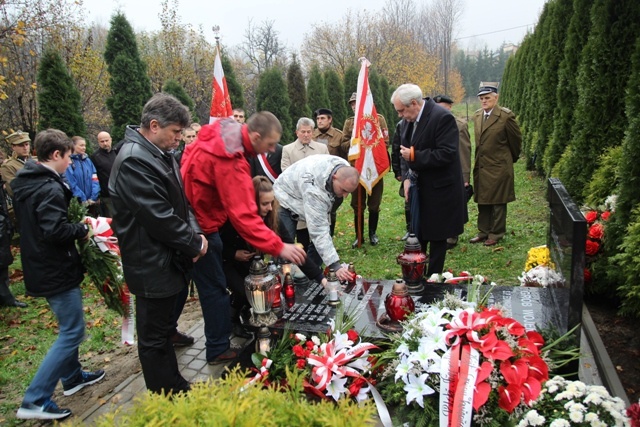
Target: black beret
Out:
[325,111]
[443,98]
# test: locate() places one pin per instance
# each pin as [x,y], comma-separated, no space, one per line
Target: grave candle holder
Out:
[413,262]
[259,287]
[333,284]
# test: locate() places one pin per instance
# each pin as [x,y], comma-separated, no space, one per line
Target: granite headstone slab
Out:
[311,313]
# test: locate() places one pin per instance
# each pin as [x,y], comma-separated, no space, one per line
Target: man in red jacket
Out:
[217,182]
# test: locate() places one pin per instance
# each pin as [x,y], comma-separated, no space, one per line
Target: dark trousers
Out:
[437,253]
[154,322]
[6,297]
[492,221]
[208,274]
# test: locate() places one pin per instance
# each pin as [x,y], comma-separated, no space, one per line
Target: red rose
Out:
[605,215]
[354,388]
[633,412]
[591,217]
[309,345]
[352,335]
[587,275]
[596,231]
[301,363]
[592,247]
[298,350]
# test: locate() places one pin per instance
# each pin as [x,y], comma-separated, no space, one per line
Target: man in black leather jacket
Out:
[158,234]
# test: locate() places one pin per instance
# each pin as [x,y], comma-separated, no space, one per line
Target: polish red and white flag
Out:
[220,101]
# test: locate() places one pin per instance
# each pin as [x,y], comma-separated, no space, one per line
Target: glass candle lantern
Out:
[289,290]
[398,302]
[277,291]
[413,262]
[333,284]
[263,341]
[260,290]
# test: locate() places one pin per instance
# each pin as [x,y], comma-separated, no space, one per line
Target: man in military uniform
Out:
[21,145]
[498,143]
[332,138]
[464,150]
[373,202]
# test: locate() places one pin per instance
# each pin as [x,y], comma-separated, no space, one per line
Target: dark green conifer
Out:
[272,96]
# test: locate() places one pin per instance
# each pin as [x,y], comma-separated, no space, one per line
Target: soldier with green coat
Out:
[498,143]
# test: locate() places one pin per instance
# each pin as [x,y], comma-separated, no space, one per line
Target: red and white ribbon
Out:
[263,373]
[103,234]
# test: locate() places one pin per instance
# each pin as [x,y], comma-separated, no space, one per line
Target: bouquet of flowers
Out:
[596,221]
[100,256]
[541,276]
[336,365]
[454,359]
[572,403]
[464,277]
[538,256]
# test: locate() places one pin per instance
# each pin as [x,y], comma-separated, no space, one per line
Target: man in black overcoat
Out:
[429,145]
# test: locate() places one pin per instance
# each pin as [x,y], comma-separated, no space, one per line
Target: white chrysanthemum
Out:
[301,337]
[593,398]
[560,423]
[590,417]
[576,416]
[534,418]
[315,340]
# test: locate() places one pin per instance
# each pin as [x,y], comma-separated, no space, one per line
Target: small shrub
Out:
[627,261]
[231,402]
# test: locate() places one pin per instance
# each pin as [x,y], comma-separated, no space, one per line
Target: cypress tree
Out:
[272,96]
[129,84]
[297,91]
[172,87]
[335,91]
[235,89]
[316,90]
[548,82]
[628,194]
[350,83]
[59,101]
[603,74]
[567,88]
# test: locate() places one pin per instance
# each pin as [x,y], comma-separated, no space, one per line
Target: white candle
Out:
[333,295]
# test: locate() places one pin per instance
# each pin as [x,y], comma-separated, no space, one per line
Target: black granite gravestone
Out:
[530,306]
[566,242]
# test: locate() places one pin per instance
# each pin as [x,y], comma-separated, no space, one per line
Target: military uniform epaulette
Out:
[505,109]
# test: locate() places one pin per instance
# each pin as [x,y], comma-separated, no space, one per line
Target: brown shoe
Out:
[477,239]
[490,242]
[181,340]
[228,356]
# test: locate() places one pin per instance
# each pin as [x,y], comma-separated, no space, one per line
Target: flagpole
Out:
[216,32]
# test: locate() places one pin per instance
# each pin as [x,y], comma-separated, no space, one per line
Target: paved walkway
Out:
[193,366]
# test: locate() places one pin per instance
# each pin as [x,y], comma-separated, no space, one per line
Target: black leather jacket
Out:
[50,260]
[156,228]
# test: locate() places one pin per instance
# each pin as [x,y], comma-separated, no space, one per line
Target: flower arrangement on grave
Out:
[538,256]
[457,360]
[596,222]
[464,277]
[564,403]
[633,412]
[539,270]
[100,256]
[335,365]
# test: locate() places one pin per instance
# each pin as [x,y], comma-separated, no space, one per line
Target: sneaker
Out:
[83,380]
[181,340]
[228,356]
[48,411]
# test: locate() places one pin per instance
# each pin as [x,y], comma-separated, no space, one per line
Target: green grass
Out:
[526,227]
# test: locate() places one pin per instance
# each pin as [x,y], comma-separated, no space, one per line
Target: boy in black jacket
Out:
[52,269]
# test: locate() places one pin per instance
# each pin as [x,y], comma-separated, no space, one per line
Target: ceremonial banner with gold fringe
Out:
[368,148]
